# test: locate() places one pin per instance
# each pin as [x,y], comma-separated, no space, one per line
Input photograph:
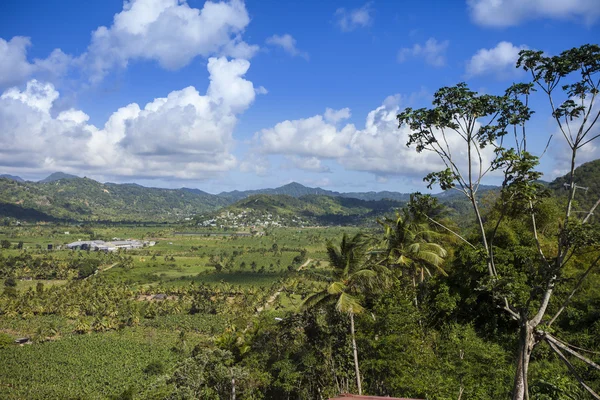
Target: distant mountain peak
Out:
[12,177]
[56,176]
[293,184]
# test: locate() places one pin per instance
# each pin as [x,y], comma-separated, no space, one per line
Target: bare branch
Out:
[547,145]
[558,343]
[450,230]
[509,309]
[545,301]
[562,129]
[577,348]
[591,212]
[577,286]
[573,371]
[535,234]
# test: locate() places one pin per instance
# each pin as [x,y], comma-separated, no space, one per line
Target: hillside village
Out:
[249,218]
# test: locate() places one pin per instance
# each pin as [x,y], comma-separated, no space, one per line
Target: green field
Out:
[109,360]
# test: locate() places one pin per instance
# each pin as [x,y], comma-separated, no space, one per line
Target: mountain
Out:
[295,189]
[83,199]
[586,176]
[57,176]
[67,197]
[286,210]
[12,177]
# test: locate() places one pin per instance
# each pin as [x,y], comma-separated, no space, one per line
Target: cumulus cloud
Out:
[310,137]
[349,20]
[255,163]
[500,61]
[335,116]
[311,164]
[432,51]
[288,44]
[501,13]
[379,148]
[169,32]
[16,69]
[183,135]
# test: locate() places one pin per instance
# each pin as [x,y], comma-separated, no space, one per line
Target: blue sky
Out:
[233,95]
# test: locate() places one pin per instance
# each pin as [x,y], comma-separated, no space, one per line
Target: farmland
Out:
[109,324]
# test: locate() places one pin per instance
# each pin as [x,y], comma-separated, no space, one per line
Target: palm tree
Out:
[350,277]
[409,244]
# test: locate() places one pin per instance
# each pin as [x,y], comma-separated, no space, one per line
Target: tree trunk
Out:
[232,388]
[355,354]
[527,342]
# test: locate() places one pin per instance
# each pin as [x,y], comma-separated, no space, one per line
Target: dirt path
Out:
[101,270]
[277,293]
[106,269]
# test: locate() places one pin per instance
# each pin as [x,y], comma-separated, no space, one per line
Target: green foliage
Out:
[85,199]
[93,366]
[154,368]
[211,374]
[6,340]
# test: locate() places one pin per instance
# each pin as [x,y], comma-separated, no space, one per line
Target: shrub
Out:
[6,340]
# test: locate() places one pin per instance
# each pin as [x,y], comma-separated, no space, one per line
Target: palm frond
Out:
[336,288]
[348,304]
[316,300]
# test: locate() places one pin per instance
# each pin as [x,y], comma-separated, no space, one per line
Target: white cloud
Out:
[349,20]
[501,13]
[335,116]
[255,163]
[288,44]
[16,69]
[379,148]
[500,60]
[311,164]
[432,51]
[169,32]
[310,137]
[183,135]
[320,183]
[37,95]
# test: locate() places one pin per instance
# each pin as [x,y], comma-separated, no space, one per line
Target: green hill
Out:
[56,176]
[586,176]
[287,210]
[12,177]
[83,199]
[67,197]
[295,189]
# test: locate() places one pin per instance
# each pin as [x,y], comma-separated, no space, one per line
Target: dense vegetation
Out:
[503,302]
[82,199]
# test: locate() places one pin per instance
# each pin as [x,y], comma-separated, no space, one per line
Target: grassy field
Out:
[100,365]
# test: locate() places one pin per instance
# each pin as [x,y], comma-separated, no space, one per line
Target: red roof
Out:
[348,396]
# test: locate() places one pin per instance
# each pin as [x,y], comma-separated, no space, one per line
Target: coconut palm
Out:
[408,245]
[351,275]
